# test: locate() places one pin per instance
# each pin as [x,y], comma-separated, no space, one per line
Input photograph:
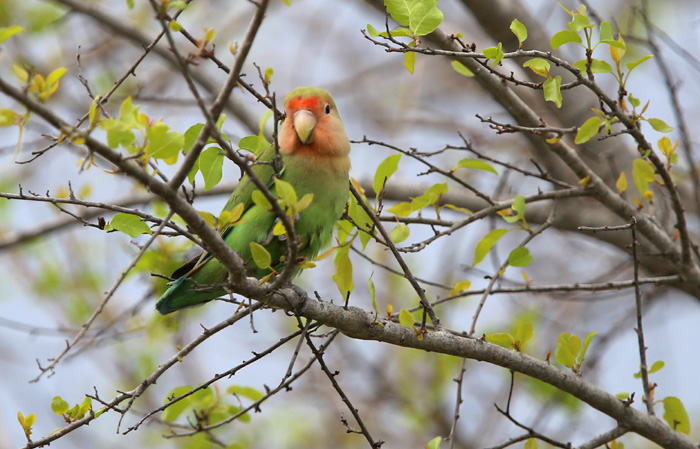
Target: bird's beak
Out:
[304,122]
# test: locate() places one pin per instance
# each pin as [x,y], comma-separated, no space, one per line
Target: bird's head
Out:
[312,124]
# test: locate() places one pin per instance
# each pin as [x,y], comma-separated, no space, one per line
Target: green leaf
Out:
[552,92]
[532,443]
[675,415]
[259,198]
[486,243]
[659,125]
[163,144]
[588,130]
[402,209]
[622,395]
[400,10]
[373,294]
[523,333]
[400,233]
[384,171]
[286,192]
[519,206]
[519,30]
[520,257]
[58,405]
[191,136]
[606,32]
[343,271]
[8,32]
[175,409]
[459,287]
[632,65]
[568,348]
[579,21]
[476,164]
[260,255]
[130,225]
[211,163]
[434,443]
[461,69]
[584,348]
[247,392]
[565,37]
[254,144]
[424,17]
[495,53]
[406,318]
[409,61]
[7,117]
[85,407]
[656,366]
[597,66]
[539,66]
[642,173]
[503,340]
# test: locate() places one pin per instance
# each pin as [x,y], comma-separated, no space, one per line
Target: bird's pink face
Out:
[311,125]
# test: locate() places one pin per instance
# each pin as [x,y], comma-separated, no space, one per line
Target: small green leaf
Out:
[597,66]
[260,255]
[523,333]
[503,340]
[163,144]
[343,271]
[588,130]
[400,9]
[519,30]
[476,164]
[373,294]
[402,209]
[538,65]
[130,225]
[460,287]
[58,405]
[565,37]
[486,243]
[675,415]
[520,257]
[384,171]
[532,443]
[495,53]
[400,233]
[656,366]
[461,69]
[7,117]
[406,318]
[286,192]
[424,17]
[409,61]
[175,409]
[623,396]
[434,443]
[568,348]
[552,91]
[260,199]
[584,348]
[659,125]
[175,26]
[247,392]
[606,32]
[211,163]
[642,173]
[191,136]
[8,32]
[632,65]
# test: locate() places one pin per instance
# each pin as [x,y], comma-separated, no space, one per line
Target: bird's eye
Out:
[328,108]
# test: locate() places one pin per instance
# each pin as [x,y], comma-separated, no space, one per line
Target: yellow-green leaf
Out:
[503,340]
[343,271]
[461,69]
[130,225]
[400,233]
[384,171]
[565,37]
[286,192]
[552,91]
[460,287]
[8,32]
[406,318]
[260,255]
[659,125]
[520,257]
[476,164]
[211,163]
[58,405]
[259,198]
[486,243]
[621,183]
[568,348]
[588,130]
[675,415]
[519,30]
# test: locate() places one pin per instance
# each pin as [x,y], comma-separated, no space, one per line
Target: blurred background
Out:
[52,283]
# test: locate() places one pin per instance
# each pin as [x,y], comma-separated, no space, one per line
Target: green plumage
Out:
[309,170]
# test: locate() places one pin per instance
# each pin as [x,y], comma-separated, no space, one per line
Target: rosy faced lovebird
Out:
[314,149]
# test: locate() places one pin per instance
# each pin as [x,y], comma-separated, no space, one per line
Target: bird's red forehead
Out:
[298,103]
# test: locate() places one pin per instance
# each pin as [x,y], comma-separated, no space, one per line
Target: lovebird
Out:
[314,150]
